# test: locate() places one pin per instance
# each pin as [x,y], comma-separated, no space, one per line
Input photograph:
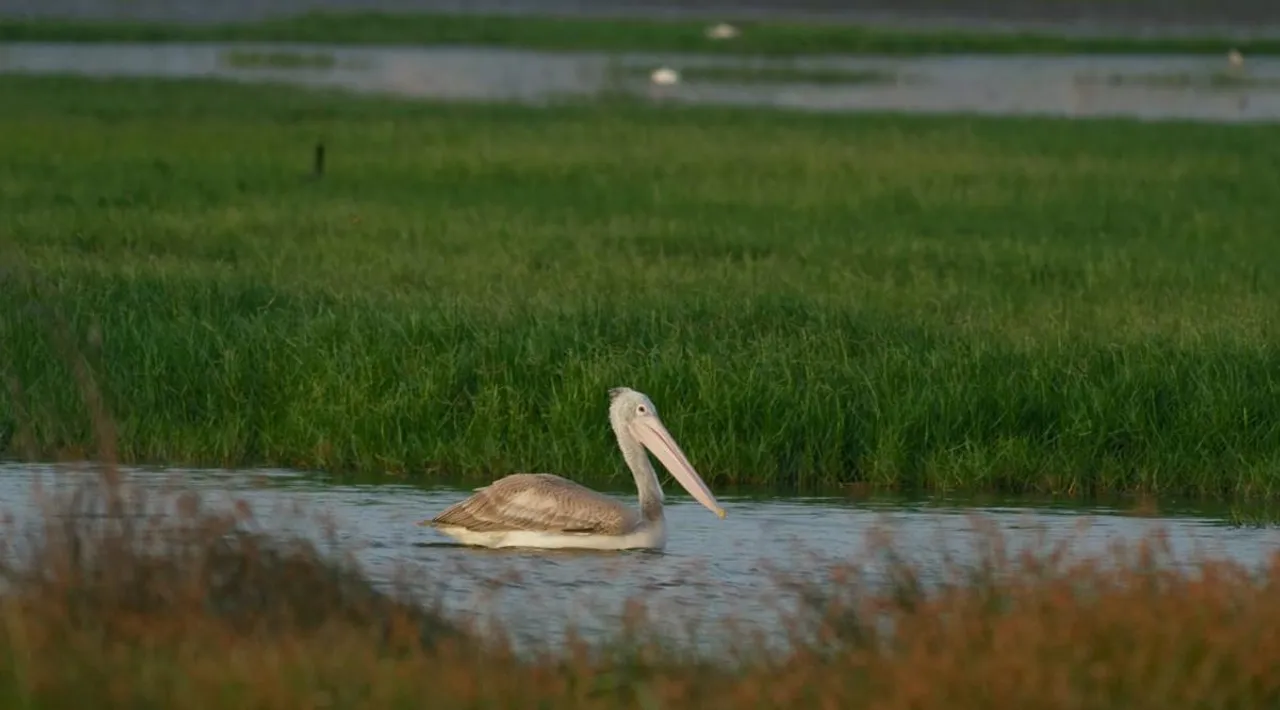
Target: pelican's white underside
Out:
[648,536]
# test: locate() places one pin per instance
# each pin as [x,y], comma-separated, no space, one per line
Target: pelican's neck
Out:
[646,479]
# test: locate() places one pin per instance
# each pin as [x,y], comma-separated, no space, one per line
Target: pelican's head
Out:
[635,419]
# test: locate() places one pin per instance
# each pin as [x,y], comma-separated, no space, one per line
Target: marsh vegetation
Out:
[917,303]
[913,303]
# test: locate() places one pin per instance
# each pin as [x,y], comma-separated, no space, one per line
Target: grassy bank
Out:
[938,303]
[139,609]
[620,35]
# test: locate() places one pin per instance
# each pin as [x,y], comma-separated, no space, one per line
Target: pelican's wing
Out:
[539,502]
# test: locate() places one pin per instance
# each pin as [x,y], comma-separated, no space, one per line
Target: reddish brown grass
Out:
[194,611]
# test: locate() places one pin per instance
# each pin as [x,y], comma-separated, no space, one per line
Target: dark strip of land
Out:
[769,37]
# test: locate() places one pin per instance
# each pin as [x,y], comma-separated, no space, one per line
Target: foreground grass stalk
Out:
[189,609]
[940,303]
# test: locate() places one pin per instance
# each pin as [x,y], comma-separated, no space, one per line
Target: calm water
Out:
[712,569]
[1150,88]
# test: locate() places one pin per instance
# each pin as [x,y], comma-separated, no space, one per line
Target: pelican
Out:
[542,510]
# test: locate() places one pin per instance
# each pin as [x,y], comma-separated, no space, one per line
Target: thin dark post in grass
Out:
[318,168]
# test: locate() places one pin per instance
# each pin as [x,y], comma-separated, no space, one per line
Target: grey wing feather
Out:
[539,502]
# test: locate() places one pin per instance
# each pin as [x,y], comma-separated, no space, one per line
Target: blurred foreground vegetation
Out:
[132,601]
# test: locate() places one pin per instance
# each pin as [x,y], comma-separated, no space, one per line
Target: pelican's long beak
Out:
[655,437]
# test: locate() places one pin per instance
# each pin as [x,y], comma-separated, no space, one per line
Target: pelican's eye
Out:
[642,409]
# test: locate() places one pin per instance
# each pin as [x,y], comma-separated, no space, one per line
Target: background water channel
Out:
[713,571]
[1204,88]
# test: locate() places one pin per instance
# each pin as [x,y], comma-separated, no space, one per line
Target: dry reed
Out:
[162,604]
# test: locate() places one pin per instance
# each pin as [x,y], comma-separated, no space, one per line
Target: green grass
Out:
[768,38]
[921,303]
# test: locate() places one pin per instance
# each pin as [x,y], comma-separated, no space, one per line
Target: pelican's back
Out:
[540,502]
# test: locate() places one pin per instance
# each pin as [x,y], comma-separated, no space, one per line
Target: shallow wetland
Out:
[1154,87]
[330,289]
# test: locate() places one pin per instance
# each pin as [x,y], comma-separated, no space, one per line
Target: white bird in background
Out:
[664,76]
[722,31]
[542,510]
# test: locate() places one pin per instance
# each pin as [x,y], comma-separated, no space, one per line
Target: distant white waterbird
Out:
[722,31]
[664,76]
[542,510]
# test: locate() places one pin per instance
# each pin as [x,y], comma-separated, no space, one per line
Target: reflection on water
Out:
[1155,87]
[711,570]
